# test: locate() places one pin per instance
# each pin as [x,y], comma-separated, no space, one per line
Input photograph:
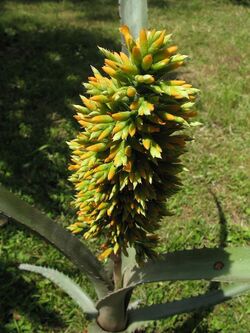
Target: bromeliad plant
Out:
[125,163]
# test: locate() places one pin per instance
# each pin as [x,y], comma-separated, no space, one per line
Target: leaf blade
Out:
[218,264]
[68,286]
[55,234]
[162,311]
[185,265]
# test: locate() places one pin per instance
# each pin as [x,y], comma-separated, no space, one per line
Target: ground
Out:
[46,48]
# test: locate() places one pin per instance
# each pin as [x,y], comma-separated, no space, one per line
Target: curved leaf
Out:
[221,264]
[68,285]
[162,311]
[231,265]
[134,14]
[63,240]
[113,309]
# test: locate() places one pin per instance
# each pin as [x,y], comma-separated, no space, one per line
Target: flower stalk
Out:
[117,271]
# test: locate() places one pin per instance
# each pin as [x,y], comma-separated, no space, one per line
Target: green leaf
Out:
[113,309]
[228,265]
[68,285]
[134,14]
[3,220]
[129,260]
[69,245]
[139,318]
[162,311]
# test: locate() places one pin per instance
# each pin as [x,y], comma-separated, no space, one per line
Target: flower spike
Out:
[126,157]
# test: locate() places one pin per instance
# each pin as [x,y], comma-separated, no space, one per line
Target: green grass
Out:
[46,49]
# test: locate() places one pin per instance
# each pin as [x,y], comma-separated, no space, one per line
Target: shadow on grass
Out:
[26,298]
[17,297]
[42,67]
[101,10]
[241,2]
[196,320]
[41,77]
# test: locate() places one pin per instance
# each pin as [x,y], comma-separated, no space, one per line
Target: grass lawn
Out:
[46,48]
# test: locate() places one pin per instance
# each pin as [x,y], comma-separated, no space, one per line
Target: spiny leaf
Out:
[69,245]
[163,311]
[68,285]
[225,265]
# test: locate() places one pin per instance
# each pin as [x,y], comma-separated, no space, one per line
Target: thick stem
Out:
[134,13]
[117,272]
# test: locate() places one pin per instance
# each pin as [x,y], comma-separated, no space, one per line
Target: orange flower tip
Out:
[136,51]
[110,63]
[169,116]
[177,82]
[99,98]
[134,106]
[131,91]
[124,29]
[151,107]
[102,119]
[110,71]
[172,49]
[146,143]
[143,35]
[92,78]
[124,57]
[97,147]
[157,44]
[176,96]
[147,62]
[73,167]
[105,254]
[127,69]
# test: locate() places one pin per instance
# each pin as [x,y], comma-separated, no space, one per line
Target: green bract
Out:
[127,156]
